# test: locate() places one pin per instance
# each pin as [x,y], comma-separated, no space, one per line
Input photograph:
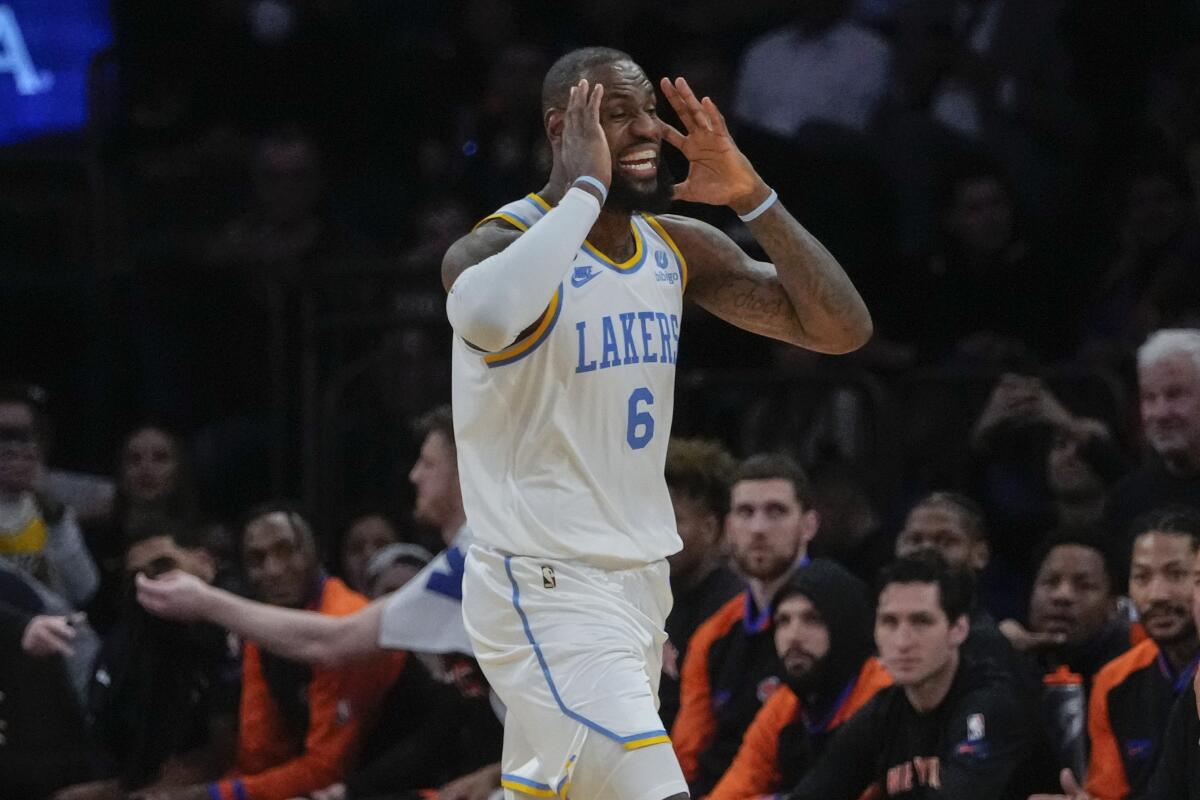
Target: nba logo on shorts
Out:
[548,577]
[660,259]
[974,727]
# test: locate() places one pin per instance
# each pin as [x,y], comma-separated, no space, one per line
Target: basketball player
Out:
[566,306]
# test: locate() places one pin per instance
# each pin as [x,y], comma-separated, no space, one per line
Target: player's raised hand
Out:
[584,146]
[175,595]
[718,173]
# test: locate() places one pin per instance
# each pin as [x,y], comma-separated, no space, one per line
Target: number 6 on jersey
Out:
[640,429]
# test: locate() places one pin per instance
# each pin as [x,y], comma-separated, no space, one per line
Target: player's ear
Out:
[555,120]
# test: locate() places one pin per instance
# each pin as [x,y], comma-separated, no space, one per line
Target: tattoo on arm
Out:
[804,297]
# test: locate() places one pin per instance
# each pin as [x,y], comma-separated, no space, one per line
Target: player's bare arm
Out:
[803,296]
[294,634]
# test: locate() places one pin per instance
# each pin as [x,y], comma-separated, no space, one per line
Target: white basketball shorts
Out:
[575,654]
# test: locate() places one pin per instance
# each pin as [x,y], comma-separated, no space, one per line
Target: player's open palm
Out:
[176,595]
[718,173]
[584,146]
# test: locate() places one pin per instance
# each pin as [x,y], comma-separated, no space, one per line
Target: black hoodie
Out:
[841,600]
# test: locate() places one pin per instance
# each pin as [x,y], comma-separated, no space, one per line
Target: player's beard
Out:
[768,568]
[625,195]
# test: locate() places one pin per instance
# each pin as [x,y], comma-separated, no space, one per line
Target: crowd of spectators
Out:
[1013,185]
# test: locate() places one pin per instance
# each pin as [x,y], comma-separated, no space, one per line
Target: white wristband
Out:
[762,208]
[595,182]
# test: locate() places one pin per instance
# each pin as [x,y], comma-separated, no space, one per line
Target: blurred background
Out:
[227,217]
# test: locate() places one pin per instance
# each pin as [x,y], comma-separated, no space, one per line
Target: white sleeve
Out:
[493,301]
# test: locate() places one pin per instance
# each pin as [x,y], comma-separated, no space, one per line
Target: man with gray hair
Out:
[1169,391]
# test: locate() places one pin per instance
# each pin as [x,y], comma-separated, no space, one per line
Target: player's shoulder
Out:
[491,236]
[723,619]
[687,228]
[701,244]
[1132,660]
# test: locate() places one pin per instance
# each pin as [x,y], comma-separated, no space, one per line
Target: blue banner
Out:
[45,49]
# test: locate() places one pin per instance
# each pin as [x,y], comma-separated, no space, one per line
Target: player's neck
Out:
[928,694]
[452,526]
[763,590]
[611,234]
[1180,654]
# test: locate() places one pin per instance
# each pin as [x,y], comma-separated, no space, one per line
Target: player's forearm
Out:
[829,309]
[297,635]
[492,302]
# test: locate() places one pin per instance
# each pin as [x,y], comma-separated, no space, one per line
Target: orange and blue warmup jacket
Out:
[730,670]
[1130,704]
[273,763]
[758,769]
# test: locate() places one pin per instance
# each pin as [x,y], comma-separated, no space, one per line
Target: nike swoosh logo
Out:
[581,277]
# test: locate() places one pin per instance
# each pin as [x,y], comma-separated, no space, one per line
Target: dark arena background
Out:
[221,230]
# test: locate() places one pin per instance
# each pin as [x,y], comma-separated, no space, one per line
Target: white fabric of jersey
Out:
[562,437]
[425,614]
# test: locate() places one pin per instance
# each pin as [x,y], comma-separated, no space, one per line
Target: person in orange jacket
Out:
[822,626]
[298,725]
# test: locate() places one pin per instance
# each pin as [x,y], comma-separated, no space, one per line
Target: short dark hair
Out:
[771,466]
[700,469]
[569,68]
[152,525]
[1175,519]
[970,513]
[295,517]
[956,587]
[33,397]
[437,420]
[1091,537]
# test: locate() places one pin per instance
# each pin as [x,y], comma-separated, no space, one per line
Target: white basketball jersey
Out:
[562,437]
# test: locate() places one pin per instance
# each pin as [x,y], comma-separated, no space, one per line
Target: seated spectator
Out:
[1074,629]
[38,536]
[393,567]
[365,536]
[164,695]
[425,616]
[1081,466]
[986,281]
[698,475]
[298,725]
[1169,385]
[1159,239]
[948,727]
[1132,695]
[1177,775]
[731,667]
[153,481]
[823,67]
[952,525]
[822,630]
[43,735]
[1038,466]
[1135,696]
[1073,617]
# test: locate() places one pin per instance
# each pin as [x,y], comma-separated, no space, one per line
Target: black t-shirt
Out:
[156,689]
[976,744]
[1145,489]
[1177,776]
